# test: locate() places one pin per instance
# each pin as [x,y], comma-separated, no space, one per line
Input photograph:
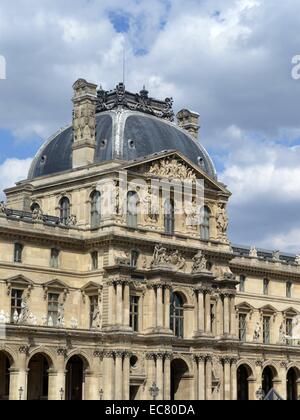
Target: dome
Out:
[122,134]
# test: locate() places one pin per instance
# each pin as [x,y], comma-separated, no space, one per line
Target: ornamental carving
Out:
[165,259]
[172,169]
[222,222]
[253,252]
[3,207]
[199,263]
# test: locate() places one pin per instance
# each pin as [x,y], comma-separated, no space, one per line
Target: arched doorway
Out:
[243,375]
[75,379]
[38,378]
[5,365]
[292,386]
[267,379]
[180,381]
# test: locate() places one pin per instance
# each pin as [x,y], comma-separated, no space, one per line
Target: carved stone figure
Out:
[257,332]
[96,318]
[61,315]
[37,214]
[172,169]
[282,335]
[297,260]
[72,220]
[253,252]
[172,260]
[222,221]
[2,207]
[276,255]
[199,263]
[193,212]
[24,314]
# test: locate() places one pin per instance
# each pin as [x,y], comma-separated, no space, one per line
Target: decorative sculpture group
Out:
[163,258]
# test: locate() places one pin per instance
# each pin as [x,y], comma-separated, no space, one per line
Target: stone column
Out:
[167,377]
[208,379]
[119,375]
[207,312]
[159,306]
[201,316]
[13,384]
[151,373]
[159,374]
[23,372]
[226,315]
[108,376]
[151,315]
[111,304]
[259,371]
[233,323]
[126,376]
[201,378]
[227,378]
[126,304]
[234,380]
[167,307]
[220,317]
[119,303]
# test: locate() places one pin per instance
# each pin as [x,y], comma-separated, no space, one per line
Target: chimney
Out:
[84,123]
[189,121]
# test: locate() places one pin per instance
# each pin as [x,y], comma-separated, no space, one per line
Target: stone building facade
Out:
[106,288]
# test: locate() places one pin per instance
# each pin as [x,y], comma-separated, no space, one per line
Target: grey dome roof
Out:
[125,135]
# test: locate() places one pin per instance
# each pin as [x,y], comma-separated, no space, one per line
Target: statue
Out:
[24,314]
[282,335]
[61,315]
[199,263]
[253,252]
[257,332]
[177,260]
[297,259]
[222,221]
[37,214]
[96,317]
[276,255]
[2,318]
[159,256]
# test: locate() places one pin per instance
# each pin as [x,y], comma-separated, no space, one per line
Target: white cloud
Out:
[12,171]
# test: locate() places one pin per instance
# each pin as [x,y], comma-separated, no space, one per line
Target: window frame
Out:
[95,215]
[18,253]
[134,312]
[50,311]
[16,302]
[177,315]
[205,225]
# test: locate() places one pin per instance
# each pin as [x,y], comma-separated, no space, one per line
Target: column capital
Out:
[119,354]
[226,360]
[98,354]
[127,354]
[160,356]
[168,356]
[208,357]
[201,358]
[150,356]
[108,354]
[62,351]
[24,349]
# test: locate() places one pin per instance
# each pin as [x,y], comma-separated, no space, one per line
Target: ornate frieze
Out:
[172,169]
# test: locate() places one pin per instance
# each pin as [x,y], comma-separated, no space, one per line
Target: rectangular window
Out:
[54,259]
[134,258]
[94,258]
[266,286]
[94,311]
[289,290]
[53,305]
[242,284]
[212,318]
[266,332]
[16,304]
[18,251]
[134,313]
[243,327]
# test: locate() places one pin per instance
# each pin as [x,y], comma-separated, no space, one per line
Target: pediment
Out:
[268,309]
[91,287]
[245,307]
[291,312]
[56,284]
[19,282]
[173,166]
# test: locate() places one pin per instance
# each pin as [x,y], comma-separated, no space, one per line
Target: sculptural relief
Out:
[199,263]
[222,222]
[172,169]
[162,258]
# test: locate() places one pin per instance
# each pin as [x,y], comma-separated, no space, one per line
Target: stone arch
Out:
[181,379]
[250,367]
[83,355]
[274,367]
[10,353]
[270,377]
[188,298]
[292,382]
[48,354]
[245,381]
[38,365]
[186,359]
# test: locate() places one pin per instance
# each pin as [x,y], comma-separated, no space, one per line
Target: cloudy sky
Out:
[229,60]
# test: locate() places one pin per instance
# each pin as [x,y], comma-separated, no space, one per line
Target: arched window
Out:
[35,207]
[132,209]
[205,224]
[95,209]
[177,315]
[64,206]
[169,217]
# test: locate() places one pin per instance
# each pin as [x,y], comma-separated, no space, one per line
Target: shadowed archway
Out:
[180,381]
[38,378]
[5,365]
[76,367]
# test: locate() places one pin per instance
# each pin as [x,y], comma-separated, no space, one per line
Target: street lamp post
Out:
[21,390]
[61,391]
[101,392]
[154,391]
[260,394]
